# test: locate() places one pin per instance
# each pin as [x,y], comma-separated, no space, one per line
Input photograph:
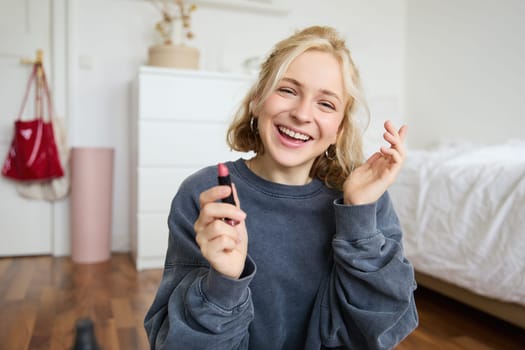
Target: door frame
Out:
[62,81]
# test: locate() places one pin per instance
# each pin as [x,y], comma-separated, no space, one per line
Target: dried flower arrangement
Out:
[174,13]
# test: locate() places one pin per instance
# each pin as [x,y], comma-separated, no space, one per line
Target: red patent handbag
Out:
[33,152]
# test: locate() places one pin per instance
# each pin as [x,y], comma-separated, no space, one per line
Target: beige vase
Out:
[174,56]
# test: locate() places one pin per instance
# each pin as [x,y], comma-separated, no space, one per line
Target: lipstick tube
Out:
[224,179]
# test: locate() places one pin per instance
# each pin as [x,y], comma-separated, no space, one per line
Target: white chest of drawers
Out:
[179,125]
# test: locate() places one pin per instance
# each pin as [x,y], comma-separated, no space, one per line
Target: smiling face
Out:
[301,117]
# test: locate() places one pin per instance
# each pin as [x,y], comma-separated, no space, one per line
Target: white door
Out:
[26,226]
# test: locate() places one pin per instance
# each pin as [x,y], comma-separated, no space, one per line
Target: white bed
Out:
[462,208]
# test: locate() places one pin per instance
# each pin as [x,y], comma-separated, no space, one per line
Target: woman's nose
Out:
[302,110]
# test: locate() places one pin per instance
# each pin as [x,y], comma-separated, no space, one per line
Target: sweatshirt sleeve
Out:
[368,301]
[195,306]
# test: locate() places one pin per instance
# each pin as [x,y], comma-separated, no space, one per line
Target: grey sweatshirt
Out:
[319,274]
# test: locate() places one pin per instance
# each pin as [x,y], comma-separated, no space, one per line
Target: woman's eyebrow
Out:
[293,81]
[324,91]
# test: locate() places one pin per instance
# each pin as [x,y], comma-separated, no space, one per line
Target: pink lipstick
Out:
[224,179]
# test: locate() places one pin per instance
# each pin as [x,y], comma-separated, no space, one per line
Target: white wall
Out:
[465,70]
[110,39]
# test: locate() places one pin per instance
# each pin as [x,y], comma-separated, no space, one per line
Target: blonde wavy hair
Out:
[338,161]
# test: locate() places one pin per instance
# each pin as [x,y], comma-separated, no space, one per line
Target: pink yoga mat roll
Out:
[91,204]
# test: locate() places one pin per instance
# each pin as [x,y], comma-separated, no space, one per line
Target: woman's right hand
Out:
[223,245]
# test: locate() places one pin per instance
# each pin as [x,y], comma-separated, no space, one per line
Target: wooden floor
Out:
[42,297]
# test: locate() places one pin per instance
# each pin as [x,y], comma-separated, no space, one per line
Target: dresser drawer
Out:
[153,234]
[191,98]
[182,144]
[158,186]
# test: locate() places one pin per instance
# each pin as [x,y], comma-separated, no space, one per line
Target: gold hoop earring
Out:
[333,150]
[253,125]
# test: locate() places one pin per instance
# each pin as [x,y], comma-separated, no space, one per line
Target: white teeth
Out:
[293,134]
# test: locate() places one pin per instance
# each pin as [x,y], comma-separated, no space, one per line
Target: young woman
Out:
[315,259]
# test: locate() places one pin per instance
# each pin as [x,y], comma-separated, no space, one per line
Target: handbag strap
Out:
[47,93]
[41,88]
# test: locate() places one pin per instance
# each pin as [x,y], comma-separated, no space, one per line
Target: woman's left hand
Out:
[370,180]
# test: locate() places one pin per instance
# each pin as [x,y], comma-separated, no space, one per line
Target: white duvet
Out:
[462,209]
